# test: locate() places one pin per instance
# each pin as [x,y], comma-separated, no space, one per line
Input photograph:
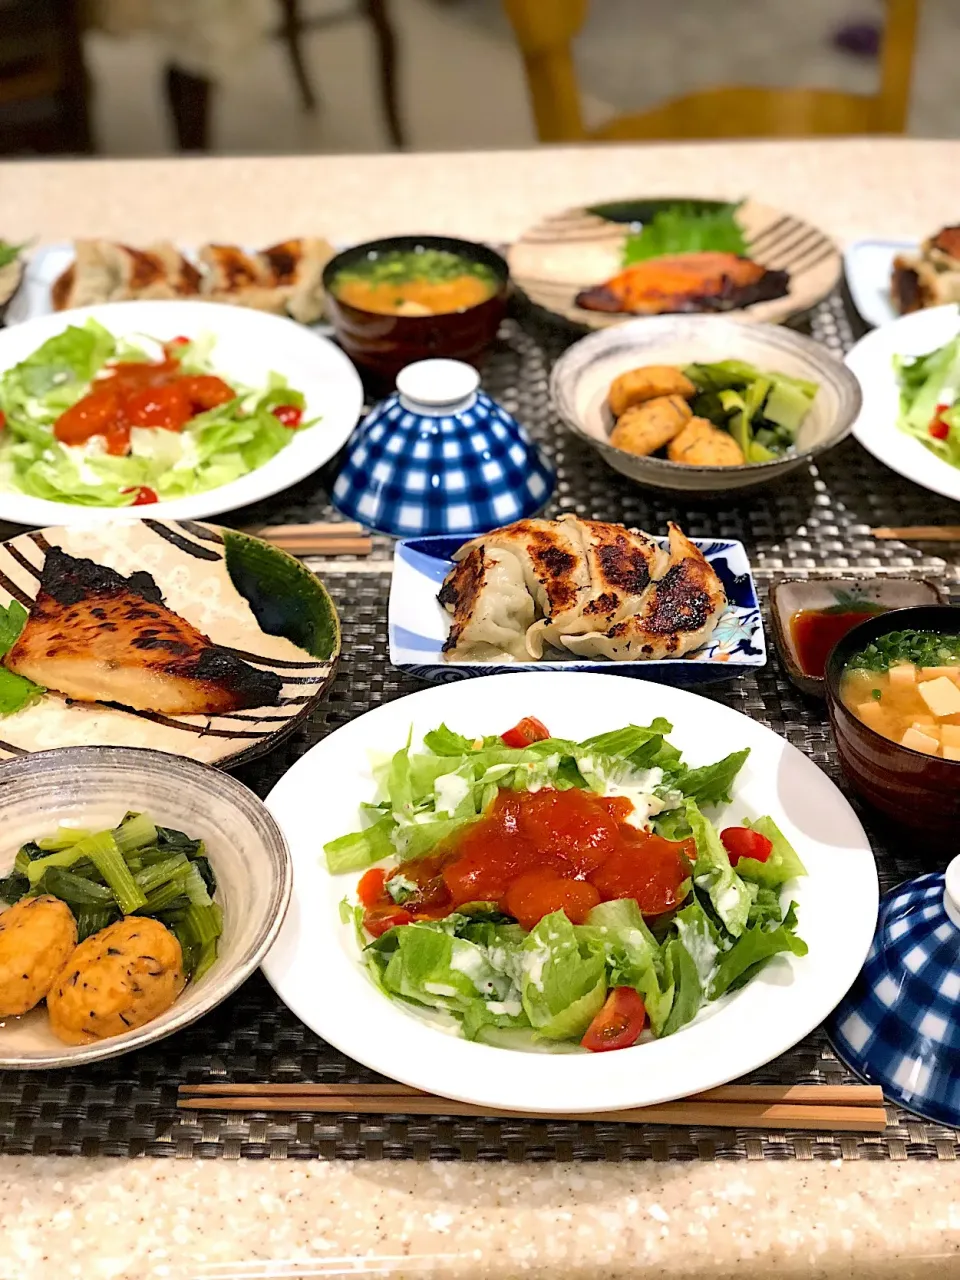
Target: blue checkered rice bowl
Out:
[899,1025]
[410,473]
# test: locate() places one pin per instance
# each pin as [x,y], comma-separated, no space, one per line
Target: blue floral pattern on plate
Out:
[419,625]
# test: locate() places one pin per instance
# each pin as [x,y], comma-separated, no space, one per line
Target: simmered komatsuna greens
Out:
[137,868]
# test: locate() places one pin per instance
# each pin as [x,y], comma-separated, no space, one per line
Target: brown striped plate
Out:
[570,251]
[245,594]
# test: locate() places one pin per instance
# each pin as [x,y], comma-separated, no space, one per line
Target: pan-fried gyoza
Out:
[581,587]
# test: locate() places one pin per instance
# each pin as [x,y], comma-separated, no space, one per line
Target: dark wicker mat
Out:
[814,523]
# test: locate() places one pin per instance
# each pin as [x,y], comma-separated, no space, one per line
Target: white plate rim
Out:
[318,367]
[876,424]
[349,1013]
[871,310]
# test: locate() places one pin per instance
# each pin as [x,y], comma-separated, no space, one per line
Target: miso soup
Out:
[906,686]
[415,282]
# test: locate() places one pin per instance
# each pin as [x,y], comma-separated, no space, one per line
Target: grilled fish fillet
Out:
[96,636]
[677,613]
[707,281]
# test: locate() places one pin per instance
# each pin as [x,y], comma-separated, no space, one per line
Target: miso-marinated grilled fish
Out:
[707,281]
[95,636]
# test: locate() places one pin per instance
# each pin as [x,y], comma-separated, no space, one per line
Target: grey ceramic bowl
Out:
[94,787]
[581,380]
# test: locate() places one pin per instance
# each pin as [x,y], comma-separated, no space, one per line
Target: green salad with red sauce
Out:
[540,893]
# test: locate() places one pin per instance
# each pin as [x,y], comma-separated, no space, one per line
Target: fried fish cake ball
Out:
[36,939]
[117,979]
[647,383]
[649,426]
[701,444]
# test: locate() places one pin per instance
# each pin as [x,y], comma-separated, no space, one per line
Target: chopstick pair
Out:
[339,538]
[833,1108]
[920,533]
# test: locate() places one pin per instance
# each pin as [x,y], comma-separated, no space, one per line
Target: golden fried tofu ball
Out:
[117,979]
[36,939]
[648,383]
[701,444]
[647,427]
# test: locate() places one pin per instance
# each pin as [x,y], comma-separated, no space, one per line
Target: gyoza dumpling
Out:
[622,564]
[296,266]
[491,606]
[555,569]
[677,613]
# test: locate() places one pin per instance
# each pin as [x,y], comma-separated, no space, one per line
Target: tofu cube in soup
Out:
[902,675]
[941,695]
[917,740]
[950,735]
[951,753]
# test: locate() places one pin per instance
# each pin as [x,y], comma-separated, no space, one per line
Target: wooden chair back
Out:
[43,84]
[545,30]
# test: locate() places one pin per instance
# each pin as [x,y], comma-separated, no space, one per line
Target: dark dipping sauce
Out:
[816,631]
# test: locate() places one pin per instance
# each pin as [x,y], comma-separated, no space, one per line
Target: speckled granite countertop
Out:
[146,1220]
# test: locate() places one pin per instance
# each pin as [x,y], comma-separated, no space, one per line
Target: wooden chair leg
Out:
[378,13]
[189,98]
[291,31]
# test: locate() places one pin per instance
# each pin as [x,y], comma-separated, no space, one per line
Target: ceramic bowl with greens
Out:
[183,637]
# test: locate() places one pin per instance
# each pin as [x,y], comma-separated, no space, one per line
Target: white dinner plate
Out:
[876,427]
[868,266]
[249,346]
[316,969]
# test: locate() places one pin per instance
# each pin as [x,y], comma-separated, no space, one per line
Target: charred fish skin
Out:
[97,636]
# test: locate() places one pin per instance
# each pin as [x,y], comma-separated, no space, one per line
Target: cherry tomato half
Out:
[3,419]
[179,341]
[619,1022]
[144,496]
[741,842]
[529,729]
[378,922]
[370,888]
[288,414]
[938,428]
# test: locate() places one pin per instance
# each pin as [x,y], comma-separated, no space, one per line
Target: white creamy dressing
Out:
[441,989]
[449,790]
[728,900]
[533,963]
[505,1008]
[701,948]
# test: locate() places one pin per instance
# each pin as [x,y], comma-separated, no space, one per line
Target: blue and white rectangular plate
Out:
[419,624]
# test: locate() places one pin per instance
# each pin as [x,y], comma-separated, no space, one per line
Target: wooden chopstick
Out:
[320,539]
[921,532]
[838,1108]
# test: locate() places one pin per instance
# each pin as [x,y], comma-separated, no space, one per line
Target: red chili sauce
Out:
[533,853]
[816,631]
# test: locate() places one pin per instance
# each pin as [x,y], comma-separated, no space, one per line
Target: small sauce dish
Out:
[811,615]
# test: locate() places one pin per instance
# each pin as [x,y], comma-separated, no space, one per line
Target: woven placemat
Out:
[814,523]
